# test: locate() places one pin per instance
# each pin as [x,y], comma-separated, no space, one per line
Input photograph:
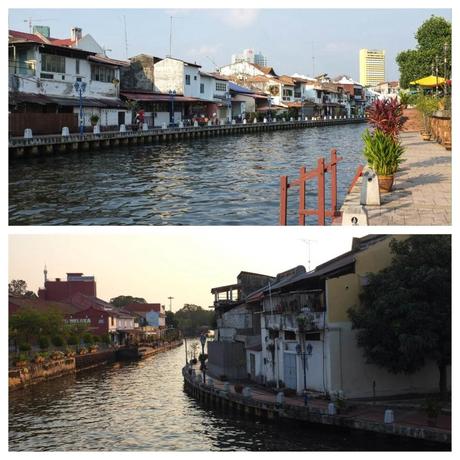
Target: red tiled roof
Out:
[43,305]
[62,41]
[25,36]
[144,307]
[107,60]
[287,80]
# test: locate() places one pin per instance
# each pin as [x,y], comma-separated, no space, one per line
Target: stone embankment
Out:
[43,145]
[29,373]
[257,402]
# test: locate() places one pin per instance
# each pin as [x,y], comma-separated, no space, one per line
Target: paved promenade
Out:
[407,413]
[422,190]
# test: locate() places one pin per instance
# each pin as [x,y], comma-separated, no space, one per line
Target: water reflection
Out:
[142,406]
[230,180]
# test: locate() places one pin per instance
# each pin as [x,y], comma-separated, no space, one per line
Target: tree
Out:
[29,323]
[18,288]
[123,300]
[192,319]
[404,318]
[26,324]
[170,320]
[431,37]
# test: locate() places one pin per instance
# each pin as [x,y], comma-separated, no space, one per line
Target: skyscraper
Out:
[248,55]
[371,67]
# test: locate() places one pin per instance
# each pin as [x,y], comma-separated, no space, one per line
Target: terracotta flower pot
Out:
[426,136]
[385,183]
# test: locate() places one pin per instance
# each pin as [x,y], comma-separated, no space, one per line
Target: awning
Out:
[429,82]
[65,101]
[150,97]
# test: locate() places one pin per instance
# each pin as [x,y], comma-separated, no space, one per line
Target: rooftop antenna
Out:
[126,36]
[31,21]
[307,244]
[313,57]
[170,34]
[45,273]
[215,65]
[105,49]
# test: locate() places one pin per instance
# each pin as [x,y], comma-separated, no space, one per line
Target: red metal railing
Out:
[319,174]
[359,173]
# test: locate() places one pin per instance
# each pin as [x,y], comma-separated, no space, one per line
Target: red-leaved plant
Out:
[387,116]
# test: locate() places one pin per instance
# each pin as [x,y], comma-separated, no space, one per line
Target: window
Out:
[187,79]
[194,77]
[49,76]
[289,335]
[221,86]
[102,73]
[77,66]
[202,88]
[52,63]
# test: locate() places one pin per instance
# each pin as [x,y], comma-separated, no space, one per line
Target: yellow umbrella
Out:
[428,82]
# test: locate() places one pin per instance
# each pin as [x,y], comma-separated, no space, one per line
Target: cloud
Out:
[239,18]
[205,50]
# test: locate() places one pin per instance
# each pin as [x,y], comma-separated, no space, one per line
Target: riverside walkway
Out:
[422,191]
[409,419]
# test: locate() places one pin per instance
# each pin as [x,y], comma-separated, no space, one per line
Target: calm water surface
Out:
[142,406]
[230,180]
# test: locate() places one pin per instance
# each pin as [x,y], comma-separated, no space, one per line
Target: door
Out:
[290,370]
[252,365]
[121,118]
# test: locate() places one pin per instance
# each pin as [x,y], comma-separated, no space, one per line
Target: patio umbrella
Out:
[428,82]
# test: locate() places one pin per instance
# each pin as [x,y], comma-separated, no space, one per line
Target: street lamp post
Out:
[437,73]
[228,98]
[303,354]
[80,87]
[203,363]
[172,93]
[445,68]
[269,100]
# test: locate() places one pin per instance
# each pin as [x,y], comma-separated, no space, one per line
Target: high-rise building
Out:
[371,67]
[248,55]
[260,59]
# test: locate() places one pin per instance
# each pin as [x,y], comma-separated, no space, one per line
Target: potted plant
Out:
[432,408]
[339,401]
[384,155]
[386,116]
[426,106]
[94,119]
[21,360]
[238,388]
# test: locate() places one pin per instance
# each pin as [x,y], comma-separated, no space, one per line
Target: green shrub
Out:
[88,338]
[57,341]
[24,346]
[23,357]
[105,339]
[43,343]
[96,339]
[72,340]
[383,153]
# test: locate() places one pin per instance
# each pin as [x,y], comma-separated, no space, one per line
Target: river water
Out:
[142,406]
[229,180]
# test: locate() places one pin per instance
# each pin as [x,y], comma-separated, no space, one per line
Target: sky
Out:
[290,38]
[182,262]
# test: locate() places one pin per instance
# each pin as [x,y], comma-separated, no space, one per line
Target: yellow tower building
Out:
[371,67]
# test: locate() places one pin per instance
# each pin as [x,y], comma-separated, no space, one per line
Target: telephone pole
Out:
[170,302]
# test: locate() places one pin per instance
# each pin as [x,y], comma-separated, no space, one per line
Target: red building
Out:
[59,290]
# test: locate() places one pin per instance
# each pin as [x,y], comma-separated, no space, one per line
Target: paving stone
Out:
[422,193]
